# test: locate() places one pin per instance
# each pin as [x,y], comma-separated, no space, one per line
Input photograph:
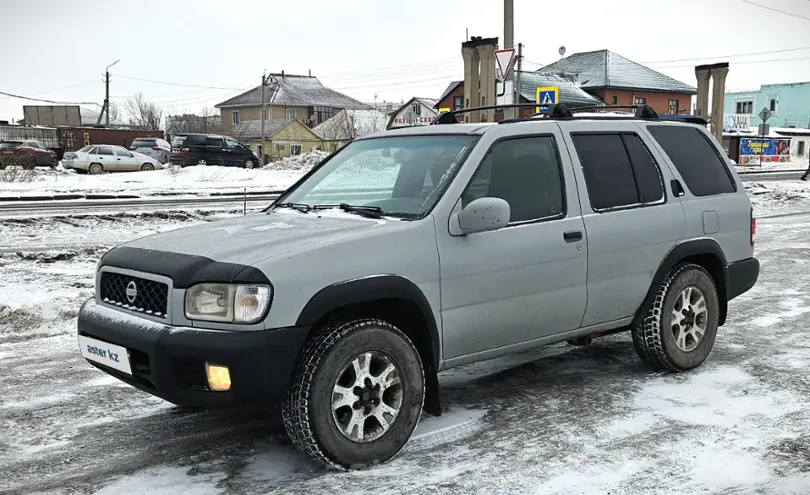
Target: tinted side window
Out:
[524,172]
[608,173]
[213,142]
[696,159]
[104,150]
[648,176]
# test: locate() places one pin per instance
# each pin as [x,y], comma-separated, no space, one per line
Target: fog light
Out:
[219,378]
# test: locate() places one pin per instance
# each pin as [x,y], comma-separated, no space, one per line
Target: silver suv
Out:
[416,250]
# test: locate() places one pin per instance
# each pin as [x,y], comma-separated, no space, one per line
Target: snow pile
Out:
[793,165]
[303,162]
[776,197]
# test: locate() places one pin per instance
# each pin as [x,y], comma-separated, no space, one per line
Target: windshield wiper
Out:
[366,211]
[302,207]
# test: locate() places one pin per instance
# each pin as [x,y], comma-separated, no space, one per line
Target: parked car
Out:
[211,149]
[96,159]
[157,148]
[486,239]
[28,154]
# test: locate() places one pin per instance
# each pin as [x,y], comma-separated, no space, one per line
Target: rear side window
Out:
[698,162]
[104,150]
[178,141]
[212,141]
[618,169]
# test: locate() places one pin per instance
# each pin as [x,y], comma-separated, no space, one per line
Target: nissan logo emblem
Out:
[131,292]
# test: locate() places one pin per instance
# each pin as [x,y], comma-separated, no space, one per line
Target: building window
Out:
[800,148]
[266,113]
[673,106]
[290,114]
[235,117]
[745,107]
[295,149]
[773,104]
[639,101]
[614,100]
[457,101]
[416,109]
[280,148]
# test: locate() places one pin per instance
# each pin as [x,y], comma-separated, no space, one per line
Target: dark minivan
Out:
[211,149]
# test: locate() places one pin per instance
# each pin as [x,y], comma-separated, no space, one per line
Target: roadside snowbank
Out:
[793,164]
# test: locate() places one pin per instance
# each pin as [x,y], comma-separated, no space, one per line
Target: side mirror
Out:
[484,215]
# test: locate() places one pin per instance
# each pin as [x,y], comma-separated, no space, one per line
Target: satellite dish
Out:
[561,51]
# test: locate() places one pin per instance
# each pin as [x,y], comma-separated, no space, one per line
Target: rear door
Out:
[215,152]
[106,157]
[630,220]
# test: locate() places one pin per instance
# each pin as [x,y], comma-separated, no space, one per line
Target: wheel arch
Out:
[705,252]
[391,298]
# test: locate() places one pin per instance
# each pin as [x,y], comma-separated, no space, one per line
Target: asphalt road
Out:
[557,420]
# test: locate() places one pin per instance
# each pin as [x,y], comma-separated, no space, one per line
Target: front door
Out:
[126,161]
[235,154]
[528,279]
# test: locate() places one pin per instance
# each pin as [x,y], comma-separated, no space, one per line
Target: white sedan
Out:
[99,158]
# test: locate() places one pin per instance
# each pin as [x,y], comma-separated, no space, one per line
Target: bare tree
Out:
[115,112]
[143,113]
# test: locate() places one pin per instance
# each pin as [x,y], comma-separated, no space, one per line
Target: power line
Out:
[49,101]
[417,82]
[791,14]
[379,69]
[731,56]
[168,83]
[742,62]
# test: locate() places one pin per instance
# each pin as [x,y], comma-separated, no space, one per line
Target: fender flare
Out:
[370,289]
[679,252]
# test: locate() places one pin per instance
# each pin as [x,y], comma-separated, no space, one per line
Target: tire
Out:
[655,339]
[147,167]
[54,162]
[327,362]
[95,168]
[202,162]
[249,164]
[30,163]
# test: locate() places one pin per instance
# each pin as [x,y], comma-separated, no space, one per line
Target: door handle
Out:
[572,236]
[677,188]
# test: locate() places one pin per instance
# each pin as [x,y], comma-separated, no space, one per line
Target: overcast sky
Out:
[210,50]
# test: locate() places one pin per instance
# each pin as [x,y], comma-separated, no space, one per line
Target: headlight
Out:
[228,303]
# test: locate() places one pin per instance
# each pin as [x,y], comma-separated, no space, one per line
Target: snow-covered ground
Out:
[793,164]
[560,420]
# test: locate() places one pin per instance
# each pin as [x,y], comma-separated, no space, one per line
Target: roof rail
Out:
[449,117]
[641,111]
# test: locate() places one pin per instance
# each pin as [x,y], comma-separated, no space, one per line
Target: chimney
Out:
[282,72]
[310,72]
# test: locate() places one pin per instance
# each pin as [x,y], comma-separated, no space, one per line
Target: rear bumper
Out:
[169,361]
[740,277]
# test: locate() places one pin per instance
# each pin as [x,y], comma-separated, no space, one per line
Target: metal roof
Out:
[249,129]
[605,69]
[293,90]
[569,92]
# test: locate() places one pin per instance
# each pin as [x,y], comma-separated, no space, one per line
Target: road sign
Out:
[764,129]
[546,96]
[504,59]
[765,114]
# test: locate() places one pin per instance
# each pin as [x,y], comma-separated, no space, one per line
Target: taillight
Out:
[156,148]
[753,227]
[183,150]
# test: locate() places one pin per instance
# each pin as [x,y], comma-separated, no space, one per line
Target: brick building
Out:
[620,81]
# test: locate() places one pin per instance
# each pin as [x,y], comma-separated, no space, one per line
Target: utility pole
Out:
[107,91]
[509,42]
[264,82]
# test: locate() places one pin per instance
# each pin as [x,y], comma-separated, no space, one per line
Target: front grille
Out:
[134,293]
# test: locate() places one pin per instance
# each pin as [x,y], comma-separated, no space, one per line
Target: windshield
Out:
[400,175]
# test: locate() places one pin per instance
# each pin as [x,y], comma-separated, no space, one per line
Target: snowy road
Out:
[559,420]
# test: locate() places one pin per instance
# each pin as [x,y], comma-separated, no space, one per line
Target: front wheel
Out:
[54,162]
[249,164]
[30,163]
[356,396]
[147,167]
[679,330]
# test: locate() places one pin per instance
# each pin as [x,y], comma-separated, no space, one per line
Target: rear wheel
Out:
[202,162]
[679,330]
[356,396]
[146,167]
[54,162]
[95,168]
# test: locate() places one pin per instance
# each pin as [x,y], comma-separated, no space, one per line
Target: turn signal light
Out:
[219,377]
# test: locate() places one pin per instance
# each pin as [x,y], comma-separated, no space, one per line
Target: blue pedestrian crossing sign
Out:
[546,96]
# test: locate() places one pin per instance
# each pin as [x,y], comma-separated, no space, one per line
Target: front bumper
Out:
[169,362]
